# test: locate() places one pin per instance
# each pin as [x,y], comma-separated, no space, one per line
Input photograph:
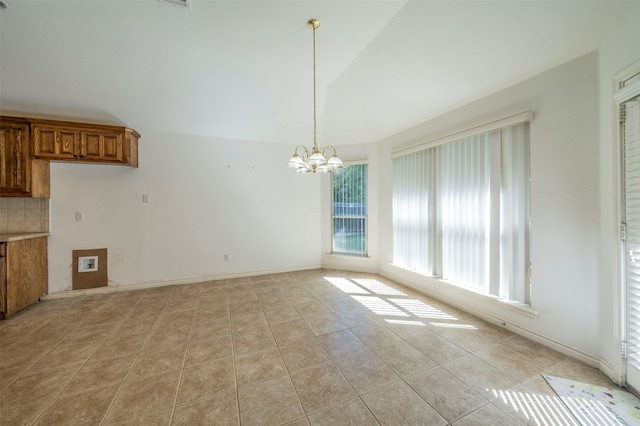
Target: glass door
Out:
[630,132]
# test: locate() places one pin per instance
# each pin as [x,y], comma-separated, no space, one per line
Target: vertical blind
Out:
[464,195]
[415,230]
[515,212]
[629,117]
[461,212]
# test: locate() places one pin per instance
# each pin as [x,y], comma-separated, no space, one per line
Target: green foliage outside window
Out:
[350,210]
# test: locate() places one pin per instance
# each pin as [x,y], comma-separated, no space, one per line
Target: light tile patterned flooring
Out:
[314,347]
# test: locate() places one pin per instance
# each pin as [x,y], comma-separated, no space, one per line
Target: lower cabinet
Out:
[23,274]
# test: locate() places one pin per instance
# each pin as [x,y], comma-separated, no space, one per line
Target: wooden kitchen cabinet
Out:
[20,174]
[55,142]
[23,274]
[101,145]
[93,143]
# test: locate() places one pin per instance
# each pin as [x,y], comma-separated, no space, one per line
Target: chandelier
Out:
[314,160]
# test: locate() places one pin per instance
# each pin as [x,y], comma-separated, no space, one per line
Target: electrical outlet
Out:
[79,216]
[226,257]
[145,198]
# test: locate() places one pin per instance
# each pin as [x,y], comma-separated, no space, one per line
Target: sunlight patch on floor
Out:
[379,306]
[449,325]
[594,412]
[346,286]
[421,309]
[538,409]
[361,290]
[404,322]
[377,287]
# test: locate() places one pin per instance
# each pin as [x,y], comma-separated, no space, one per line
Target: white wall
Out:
[208,197]
[619,51]
[564,199]
[575,197]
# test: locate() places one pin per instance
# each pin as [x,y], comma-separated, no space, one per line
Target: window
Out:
[461,212]
[349,214]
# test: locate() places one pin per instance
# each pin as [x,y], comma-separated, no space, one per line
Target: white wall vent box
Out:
[88,264]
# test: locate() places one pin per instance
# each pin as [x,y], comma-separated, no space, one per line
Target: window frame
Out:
[365,216]
[625,86]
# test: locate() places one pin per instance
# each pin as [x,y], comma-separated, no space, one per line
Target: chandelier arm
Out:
[333,148]
[305,152]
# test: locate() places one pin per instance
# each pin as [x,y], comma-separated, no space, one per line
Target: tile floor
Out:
[315,347]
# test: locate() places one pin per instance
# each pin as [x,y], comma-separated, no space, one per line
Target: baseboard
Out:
[561,347]
[610,371]
[349,263]
[114,287]
[349,269]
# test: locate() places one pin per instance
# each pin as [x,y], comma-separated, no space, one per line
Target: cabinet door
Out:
[27,273]
[55,143]
[3,279]
[102,145]
[14,159]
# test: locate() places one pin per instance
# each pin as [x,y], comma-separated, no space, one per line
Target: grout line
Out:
[314,288]
[124,380]
[83,364]
[233,356]
[184,359]
[51,401]
[288,373]
[373,351]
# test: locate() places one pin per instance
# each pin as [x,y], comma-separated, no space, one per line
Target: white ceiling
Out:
[243,69]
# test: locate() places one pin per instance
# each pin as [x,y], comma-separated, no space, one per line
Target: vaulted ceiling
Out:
[243,69]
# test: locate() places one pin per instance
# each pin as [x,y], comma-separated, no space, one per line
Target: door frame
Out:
[621,94]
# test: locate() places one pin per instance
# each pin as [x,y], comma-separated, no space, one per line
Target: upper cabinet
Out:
[28,144]
[69,141]
[102,145]
[20,174]
[55,142]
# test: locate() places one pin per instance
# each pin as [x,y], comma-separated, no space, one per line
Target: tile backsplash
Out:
[24,215]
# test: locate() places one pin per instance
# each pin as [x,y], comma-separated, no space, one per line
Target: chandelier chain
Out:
[315,160]
[315,140]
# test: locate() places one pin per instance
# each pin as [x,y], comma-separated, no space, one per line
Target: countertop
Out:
[22,236]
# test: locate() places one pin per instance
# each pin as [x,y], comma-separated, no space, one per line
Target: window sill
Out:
[347,256]
[517,307]
[438,288]
[510,305]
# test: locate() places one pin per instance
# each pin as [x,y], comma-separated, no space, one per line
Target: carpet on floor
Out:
[596,405]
